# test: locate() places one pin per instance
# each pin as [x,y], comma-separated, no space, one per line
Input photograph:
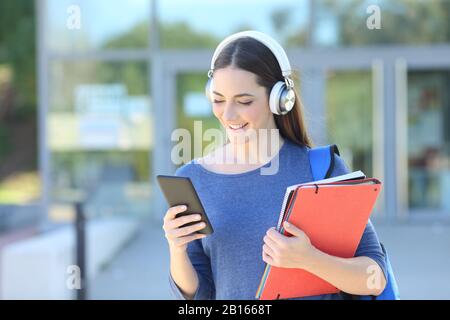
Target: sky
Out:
[102,19]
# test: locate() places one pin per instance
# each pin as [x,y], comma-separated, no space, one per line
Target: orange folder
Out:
[334,216]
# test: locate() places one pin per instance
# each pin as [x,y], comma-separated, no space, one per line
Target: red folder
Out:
[334,216]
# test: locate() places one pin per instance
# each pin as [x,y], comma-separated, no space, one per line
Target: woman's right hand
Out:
[178,237]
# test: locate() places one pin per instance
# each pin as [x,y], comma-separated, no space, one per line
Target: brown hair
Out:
[251,55]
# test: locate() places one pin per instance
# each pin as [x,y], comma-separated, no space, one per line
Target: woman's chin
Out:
[238,139]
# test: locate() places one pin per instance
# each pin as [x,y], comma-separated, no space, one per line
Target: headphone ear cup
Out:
[282,99]
[275,95]
[208,89]
[287,100]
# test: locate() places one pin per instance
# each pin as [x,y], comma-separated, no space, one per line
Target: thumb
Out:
[293,229]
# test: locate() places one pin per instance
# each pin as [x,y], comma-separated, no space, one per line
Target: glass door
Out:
[349,117]
[100,130]
[354,117]
[428,141]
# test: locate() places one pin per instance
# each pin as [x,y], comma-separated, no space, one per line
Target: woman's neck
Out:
[254,152]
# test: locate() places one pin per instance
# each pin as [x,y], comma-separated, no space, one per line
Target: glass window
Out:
[194,109]
[350,117]
[345,22]
[100,136]
[429,139]
[82,25]
[194,24]
[20,183]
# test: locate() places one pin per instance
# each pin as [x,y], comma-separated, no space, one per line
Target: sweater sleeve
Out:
[201,263]
[369,245]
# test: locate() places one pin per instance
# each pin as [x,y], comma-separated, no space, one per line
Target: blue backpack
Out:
[322,164]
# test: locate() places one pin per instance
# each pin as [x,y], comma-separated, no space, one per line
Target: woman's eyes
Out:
[244,103]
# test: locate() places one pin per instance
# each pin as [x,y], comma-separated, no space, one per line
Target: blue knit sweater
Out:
[241,208]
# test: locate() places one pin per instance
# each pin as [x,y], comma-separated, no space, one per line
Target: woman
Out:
[250,89]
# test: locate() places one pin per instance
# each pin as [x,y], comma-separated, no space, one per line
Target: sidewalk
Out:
[420,256]
[140,271]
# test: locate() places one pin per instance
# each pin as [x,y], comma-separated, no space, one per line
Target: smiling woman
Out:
[252,95]
[250,89]
[252,99]
[243,115]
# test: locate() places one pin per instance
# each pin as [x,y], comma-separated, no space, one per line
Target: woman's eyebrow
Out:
[236,96]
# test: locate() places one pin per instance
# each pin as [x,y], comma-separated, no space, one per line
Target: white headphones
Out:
[282,96]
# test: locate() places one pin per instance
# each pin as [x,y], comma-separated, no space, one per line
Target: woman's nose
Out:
[229,112]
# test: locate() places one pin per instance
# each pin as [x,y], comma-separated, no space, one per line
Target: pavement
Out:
[420,257]
[140,270]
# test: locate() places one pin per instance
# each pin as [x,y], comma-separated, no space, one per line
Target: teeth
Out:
[237,126]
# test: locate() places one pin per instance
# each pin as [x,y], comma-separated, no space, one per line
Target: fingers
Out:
[270,243]
[185,240]
[181,232]
[178,236]
[293,229]
[173,211]
[268,259]
[268,250]
[178,222]
[275,236]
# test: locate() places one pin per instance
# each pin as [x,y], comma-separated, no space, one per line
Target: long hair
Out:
[251,55]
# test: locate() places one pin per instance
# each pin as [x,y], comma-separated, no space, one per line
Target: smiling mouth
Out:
[237,128]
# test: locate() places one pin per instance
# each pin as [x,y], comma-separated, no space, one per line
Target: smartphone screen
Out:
[181,191]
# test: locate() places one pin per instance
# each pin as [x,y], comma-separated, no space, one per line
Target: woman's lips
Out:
[239,129]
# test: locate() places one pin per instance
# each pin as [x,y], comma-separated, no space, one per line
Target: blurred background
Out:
[91,91]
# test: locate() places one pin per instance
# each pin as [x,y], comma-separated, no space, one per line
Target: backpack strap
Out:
[321,160]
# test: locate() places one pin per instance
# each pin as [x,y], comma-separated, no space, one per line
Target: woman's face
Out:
[238,100]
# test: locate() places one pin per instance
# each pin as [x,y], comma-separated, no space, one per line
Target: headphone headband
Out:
[269,42]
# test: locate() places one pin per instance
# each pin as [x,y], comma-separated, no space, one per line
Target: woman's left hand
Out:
[288,252]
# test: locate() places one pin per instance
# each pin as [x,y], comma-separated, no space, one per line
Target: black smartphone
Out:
[181,191]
